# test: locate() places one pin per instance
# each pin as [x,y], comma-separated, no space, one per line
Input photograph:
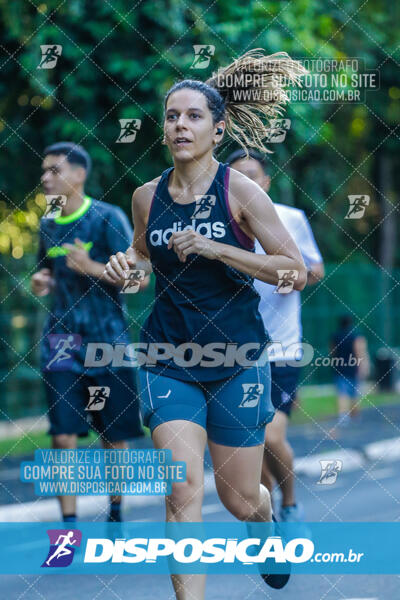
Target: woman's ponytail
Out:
[253,88]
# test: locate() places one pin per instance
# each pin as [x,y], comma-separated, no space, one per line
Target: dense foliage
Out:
[119,58]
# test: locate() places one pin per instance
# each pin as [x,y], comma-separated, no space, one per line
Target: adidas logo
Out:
[210,230]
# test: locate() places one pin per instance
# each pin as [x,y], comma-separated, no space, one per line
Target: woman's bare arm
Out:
[141,203]
[137,255]
[259,216]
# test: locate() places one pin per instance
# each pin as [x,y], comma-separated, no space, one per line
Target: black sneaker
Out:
[277,580]
[115,530]
[114,518]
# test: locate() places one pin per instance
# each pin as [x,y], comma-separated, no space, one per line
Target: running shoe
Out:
[295,514]
[278,580]
[292,514]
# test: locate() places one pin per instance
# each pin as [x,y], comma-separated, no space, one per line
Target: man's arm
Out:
[78,260]
[309,250]
[361,352]
[42,282]
[118,235]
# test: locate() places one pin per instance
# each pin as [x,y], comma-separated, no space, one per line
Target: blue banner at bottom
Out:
[213,548]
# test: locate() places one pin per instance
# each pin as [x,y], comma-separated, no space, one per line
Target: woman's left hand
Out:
[190,242]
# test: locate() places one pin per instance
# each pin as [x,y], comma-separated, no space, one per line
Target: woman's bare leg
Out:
[187,441]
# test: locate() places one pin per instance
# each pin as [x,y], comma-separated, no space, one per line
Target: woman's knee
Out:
[184,494]
[241,504]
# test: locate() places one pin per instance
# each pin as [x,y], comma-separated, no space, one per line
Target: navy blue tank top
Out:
[204,308]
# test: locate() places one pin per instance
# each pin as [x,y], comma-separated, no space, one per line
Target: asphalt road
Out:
[367,489]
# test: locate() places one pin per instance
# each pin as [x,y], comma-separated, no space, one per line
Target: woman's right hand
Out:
[119,264]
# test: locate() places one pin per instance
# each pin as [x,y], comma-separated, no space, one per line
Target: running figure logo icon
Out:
[287,277]
[61,344]
[129,129]
[203,207]
[62,547]
[202,56]
[357,207]
[278,130]
[132,281]
[98,396]
[54,206]
[330,469]
[251,394]
[50,55]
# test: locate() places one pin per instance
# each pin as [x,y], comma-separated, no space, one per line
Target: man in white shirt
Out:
[281,313]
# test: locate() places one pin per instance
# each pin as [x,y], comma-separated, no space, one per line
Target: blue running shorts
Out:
[233,411]
[347,385]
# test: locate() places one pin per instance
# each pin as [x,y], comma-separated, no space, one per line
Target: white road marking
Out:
[384,450]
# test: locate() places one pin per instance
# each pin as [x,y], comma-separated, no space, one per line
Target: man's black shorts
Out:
[68,398]
[284,382]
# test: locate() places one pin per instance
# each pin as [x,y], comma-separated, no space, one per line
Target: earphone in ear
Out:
[219,130]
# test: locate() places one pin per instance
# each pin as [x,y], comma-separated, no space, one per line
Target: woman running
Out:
[195,226]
